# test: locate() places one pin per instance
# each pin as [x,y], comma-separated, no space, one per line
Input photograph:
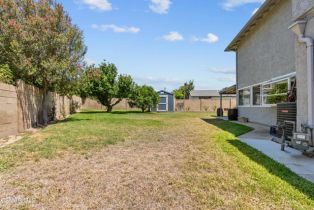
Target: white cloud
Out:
[160,6]
[159,83]
[103,5]
[116,29]
[255,11]
[210,38]
[231,79]
[231,4]
[173,37]
[222,71]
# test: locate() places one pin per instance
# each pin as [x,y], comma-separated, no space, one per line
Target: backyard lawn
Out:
[132,160]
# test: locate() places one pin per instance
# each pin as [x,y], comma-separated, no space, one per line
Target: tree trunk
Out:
[143,110]
[109,108]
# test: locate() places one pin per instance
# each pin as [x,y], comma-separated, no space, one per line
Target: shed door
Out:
[163,103]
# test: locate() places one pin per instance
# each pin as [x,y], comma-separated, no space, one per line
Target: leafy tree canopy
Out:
[104,84]
[6,74]
[184,91]
[144,97]
[40,45]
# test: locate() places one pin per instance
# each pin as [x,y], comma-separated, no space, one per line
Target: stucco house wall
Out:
[266,53]
[299,9]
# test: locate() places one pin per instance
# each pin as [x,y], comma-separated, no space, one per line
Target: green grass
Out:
[218,170]
[82,133]
[248,178]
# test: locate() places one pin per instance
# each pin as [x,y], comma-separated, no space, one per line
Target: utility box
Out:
[301,141]
[287,112]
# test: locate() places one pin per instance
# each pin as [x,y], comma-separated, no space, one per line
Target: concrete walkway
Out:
[293,159]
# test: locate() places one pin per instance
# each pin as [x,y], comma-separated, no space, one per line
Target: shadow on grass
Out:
[130,112]
[72,120]
[115,112]
[273,167]
[234,128]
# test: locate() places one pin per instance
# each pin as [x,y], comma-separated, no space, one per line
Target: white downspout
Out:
[299,29]
[310,76]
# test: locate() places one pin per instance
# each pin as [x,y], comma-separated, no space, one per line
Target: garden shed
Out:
[166,102]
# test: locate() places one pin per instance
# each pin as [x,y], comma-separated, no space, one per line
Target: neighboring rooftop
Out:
[204,93]
[261,13]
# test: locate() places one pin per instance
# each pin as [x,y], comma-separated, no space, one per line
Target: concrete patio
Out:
[293,159]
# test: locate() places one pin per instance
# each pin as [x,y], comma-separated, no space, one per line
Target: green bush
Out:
[6,75]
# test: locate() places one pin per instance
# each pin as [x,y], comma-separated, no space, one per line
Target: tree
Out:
[6,74]
[107,86]
[184,91]
[41,45]
[178,94]
[144,97]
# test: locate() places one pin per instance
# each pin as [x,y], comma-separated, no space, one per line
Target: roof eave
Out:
[233,46]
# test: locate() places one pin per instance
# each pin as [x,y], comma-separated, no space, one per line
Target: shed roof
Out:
[204,93]
[164,92]
[261,13]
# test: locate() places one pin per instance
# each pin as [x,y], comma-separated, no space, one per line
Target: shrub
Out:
[144,97]
[6,75]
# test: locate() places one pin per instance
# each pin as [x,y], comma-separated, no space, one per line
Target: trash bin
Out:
[233,114]
[220,112]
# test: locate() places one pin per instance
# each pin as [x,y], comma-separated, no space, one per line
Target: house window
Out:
[277,92]
[244,97]
[257,96]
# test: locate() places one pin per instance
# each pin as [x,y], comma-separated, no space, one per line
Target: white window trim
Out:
[246,105]
[261,95]
[273,80]
[163,96]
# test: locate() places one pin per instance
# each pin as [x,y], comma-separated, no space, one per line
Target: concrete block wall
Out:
[8,110]
[203,105]
[21,107]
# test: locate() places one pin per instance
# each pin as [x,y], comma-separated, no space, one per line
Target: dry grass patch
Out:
[140,173]
[96,160]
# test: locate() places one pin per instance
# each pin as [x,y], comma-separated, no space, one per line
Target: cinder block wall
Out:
[8,110]
[204,105]
[21,107]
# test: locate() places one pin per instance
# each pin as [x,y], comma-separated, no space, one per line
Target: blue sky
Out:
[164,43]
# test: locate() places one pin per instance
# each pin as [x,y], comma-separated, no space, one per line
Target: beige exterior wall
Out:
[299,7]
[266,53]
[273,50]
[301,65]
[203,105]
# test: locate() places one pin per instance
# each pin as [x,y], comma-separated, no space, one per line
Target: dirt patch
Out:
[139,174]
[9,140]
